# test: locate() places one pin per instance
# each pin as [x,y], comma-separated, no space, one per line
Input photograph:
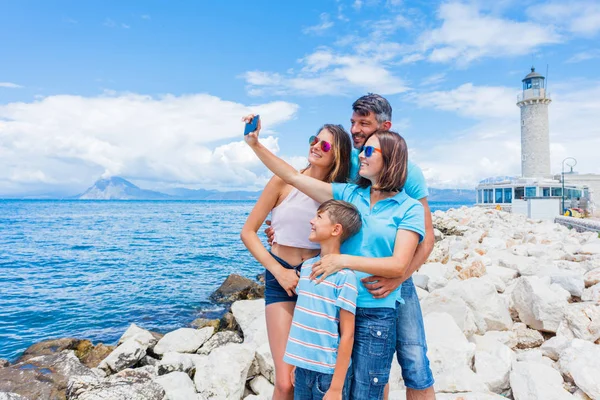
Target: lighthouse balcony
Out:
[533,95]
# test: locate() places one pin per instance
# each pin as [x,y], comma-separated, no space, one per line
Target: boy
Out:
[322,334]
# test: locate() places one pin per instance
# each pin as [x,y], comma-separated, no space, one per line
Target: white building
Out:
[537,193]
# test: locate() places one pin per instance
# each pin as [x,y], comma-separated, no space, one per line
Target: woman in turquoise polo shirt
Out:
[393,224]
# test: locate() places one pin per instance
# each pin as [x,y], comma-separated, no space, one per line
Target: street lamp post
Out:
[572,162]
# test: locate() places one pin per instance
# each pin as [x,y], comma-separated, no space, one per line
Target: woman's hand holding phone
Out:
[252,137]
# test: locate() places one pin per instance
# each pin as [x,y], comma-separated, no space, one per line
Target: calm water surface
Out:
[90,268]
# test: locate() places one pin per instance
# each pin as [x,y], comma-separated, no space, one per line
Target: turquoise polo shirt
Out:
[415,185]
[377,236]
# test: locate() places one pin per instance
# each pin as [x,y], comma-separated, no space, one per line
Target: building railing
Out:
[533,94]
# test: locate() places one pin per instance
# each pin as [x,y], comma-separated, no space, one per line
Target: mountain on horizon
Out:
[117,188]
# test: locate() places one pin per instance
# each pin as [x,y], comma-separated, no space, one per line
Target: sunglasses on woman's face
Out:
[369,150]
[325,146]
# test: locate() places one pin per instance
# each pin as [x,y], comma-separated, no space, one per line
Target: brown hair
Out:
[343,213]
[395,157]
[342,148]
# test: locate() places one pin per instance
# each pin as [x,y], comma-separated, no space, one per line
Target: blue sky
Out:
[153,90]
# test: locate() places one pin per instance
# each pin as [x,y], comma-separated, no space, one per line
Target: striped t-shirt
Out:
[314,336]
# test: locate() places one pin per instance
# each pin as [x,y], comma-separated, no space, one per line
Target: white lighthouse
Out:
[535,139]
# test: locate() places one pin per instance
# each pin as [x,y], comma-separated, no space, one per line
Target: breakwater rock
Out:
[511,309]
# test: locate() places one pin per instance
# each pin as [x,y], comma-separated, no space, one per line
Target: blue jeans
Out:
[373,352]
[411,346]
[274,293]
[312,385]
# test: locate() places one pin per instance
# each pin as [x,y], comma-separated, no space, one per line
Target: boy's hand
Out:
[333,394]
[327,265]
[270,232]
[288,279]
[252,137]
[381,287]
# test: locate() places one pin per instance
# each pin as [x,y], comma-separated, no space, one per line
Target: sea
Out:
[88,269]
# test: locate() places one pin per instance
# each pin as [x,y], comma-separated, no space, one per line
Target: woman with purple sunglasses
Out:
[291,212]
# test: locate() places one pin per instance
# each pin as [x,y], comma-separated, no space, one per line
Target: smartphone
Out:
[251,127]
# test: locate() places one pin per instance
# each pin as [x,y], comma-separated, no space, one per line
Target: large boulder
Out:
[490,310]
[581,362]
[264,360]
[450,355]
[143,336]
[177,362]
[237,287]
[592,294]
[493,362]
[592,277]
[222,374]
[183,340]
[262,387]
[571,281]
[87,353]
[128,384]
[527,338]
[581,321]
[439,301]
[250,315]
[219,339]
[537,304]
[42,377]
[535,381]
[177,386]
[128,353]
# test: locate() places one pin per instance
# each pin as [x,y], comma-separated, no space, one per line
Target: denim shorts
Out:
[312,385]
[411,346]
[274,293]
[373,351]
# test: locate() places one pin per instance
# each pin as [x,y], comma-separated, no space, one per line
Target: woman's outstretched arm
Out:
[318,190]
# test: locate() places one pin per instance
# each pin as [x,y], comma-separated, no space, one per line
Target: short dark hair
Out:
[343,213]
[373,103]
[395,163]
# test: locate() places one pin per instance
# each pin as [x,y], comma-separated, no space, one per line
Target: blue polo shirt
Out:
[377,236]
[415,185]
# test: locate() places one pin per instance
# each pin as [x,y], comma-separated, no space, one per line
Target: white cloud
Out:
[491,147]
[433,79]
[324,24]
[471,101]
[584,56]
[327,73]
[10,85]
[580,18]
[69,141]
[357,4]
[466,35]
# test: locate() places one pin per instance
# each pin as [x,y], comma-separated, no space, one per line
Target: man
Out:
[370,113]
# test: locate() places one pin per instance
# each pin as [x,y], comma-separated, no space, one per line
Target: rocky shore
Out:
[511,309]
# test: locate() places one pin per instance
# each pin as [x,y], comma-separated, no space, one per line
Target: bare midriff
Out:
[293,255]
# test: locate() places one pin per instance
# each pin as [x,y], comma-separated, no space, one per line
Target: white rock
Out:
[460,380]
[128,353]
[527,338]
[583,319]
[143,336]
[396,381]
[421,293]
[262,387]
[448,347]
[264,360]
[177,386]
[521,263]
[173,361]
[463,396]
[535,381]
[219,339]
[489,308]
[494,243]
[506,274]
[592,294]
[570,281]
[436,282]
[590,248]
[493,362]
[184,340]
[554,346]
[439,301]
[250,315]
[537,305]
[592,277]
[580,395]
[420,280]
[534,355]
[222,374]
[581,362]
